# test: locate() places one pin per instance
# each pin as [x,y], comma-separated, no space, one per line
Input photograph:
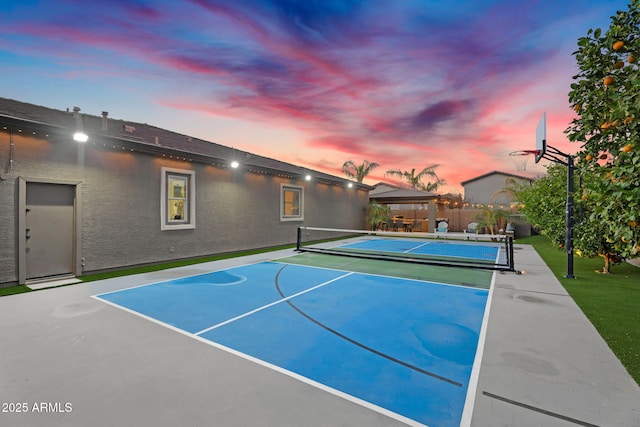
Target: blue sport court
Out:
[375,332]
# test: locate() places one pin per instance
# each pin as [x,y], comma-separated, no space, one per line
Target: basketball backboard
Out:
[541,137]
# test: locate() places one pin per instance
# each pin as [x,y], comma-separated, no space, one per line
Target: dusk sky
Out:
[404,83]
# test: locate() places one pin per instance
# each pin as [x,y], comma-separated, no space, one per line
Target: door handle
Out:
[28,233]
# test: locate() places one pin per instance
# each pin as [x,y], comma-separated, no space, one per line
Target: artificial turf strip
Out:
[610,301]
[11,290]
[178,263]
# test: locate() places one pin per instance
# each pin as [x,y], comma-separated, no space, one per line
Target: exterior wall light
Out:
[307,178]
[235,164]
[80,137]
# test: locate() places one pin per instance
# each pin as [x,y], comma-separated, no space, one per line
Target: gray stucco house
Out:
[135,194]
[488,189]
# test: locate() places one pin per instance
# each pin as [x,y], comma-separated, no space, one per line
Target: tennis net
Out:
[494,252]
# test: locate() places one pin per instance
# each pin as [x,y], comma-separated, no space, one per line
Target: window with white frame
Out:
[291,203]
[178,199]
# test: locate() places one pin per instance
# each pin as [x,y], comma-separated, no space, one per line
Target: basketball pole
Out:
[552,154]
[569,218]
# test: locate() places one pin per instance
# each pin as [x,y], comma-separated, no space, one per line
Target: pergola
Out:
[407,196]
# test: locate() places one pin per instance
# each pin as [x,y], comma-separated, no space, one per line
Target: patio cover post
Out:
[433,214]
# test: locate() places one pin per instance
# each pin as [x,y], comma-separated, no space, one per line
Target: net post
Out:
[299,240]
[512,264]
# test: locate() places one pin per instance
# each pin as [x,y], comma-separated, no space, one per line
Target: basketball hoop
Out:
[521,157]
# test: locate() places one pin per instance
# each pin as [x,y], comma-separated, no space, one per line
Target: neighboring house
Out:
[493,190]
[383,187]
[489,189]
[135,194]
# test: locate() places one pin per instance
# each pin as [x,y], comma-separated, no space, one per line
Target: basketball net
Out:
[521,157]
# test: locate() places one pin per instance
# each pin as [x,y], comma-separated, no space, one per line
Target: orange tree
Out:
[543,205]
[606,97]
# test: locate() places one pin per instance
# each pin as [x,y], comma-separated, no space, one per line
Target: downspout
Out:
[11,149]
[11,152]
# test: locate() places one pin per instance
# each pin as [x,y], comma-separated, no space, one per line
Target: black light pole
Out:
[552,155]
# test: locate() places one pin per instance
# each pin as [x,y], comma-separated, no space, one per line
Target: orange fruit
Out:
[618,65]
[584,197]
[627,148]
[608,80]
[618,45]
[631,59]
[589,157]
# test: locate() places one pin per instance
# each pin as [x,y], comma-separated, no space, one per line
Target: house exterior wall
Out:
[8,236]
[121,199]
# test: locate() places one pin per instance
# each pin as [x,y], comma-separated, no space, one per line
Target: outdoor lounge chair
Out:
[472,228]
[442,228]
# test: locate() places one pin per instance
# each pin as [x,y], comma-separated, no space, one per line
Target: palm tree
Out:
[415,180]
[359,172]
[377,215]
[492,219]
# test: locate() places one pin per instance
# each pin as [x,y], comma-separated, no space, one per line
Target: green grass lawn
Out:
[610,301]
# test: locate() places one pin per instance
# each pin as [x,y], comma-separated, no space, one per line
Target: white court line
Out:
[417,247]
[336,392]
[301,378]
[467,412]
[233,319]
[471,391]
